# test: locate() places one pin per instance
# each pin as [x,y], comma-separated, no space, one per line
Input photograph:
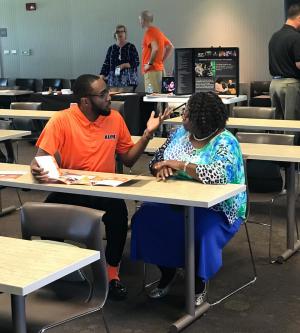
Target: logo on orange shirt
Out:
[110,137]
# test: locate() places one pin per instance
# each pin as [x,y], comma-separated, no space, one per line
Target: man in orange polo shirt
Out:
[86,137]
[156,48]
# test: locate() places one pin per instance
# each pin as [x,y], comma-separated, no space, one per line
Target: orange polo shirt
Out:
[85,145]
[154,34]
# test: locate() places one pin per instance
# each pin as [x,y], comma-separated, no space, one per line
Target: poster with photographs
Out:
[214,69]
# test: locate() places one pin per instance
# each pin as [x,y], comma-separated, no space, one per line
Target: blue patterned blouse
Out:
[116,56]
[218,162]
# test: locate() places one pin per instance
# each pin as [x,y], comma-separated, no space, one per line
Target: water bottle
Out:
[149,89]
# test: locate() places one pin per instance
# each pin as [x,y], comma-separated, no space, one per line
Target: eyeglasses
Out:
[102,94]
[119,31]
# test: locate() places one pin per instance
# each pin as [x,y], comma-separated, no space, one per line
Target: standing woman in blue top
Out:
[201,150]
[121,61]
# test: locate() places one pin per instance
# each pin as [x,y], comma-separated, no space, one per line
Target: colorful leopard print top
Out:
[218,162]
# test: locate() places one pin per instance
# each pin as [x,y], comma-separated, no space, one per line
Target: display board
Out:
[207,69]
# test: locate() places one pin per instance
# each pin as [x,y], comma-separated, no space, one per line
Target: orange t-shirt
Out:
[85,145]
[154,34]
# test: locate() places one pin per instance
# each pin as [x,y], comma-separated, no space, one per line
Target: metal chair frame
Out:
[267,138]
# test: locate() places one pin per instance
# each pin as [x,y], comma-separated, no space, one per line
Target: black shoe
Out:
[117,290]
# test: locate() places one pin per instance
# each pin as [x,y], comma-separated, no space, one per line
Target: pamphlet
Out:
[13,174]
[48,163]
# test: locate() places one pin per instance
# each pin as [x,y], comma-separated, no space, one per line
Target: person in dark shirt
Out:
[284,65]
[121,62]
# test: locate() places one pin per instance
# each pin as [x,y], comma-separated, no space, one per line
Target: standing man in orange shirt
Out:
[87,136]
[156,48]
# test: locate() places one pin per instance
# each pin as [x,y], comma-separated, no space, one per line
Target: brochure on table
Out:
[48,163]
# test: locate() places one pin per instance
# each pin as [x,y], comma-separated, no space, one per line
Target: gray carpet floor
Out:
[272,304]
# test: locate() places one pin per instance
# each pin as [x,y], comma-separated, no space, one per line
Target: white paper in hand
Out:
[48,163]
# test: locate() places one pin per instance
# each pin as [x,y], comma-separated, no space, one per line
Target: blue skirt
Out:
[158,237]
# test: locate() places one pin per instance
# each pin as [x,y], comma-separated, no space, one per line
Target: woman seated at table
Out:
[204,151]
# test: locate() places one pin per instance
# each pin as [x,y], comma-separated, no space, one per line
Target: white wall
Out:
[70,37]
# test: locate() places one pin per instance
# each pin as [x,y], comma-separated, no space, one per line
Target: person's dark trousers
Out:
[115,220]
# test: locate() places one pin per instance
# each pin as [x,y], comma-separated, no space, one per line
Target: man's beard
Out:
[101,112]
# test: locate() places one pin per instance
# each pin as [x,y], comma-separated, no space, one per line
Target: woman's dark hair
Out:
[206,113]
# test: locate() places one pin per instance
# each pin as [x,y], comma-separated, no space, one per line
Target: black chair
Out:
[26,84]
[53,84]
[265,181]
[8,157]
[259,93]
[78,225]
[72,81]
[253,112]
[26,124]
[3,82]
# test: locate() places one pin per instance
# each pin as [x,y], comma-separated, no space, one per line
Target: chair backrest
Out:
[26,105]
[26,124]
[3,82]
[259,88]
[67,222]
[253,112]
[26,84]
[53,83]
[266,138]
[7,124]
[119,106]
[264,176]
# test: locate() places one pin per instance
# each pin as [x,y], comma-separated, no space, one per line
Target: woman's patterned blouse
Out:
[218,162]
[116,56]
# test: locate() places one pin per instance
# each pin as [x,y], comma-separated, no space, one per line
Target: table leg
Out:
[191,313]
[292,247]
[18,313]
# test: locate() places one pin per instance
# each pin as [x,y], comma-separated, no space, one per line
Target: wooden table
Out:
[144,188]
[32,114]
[12,134]
[27,266]
[266,152]
[226,99]
[8,135]
[14,92]
[253,124]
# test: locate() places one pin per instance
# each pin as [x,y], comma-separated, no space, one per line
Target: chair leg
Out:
[145,284]
[77,316]
[6,210]
[19,197]
[104,321]
[271,261]
[253,279]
